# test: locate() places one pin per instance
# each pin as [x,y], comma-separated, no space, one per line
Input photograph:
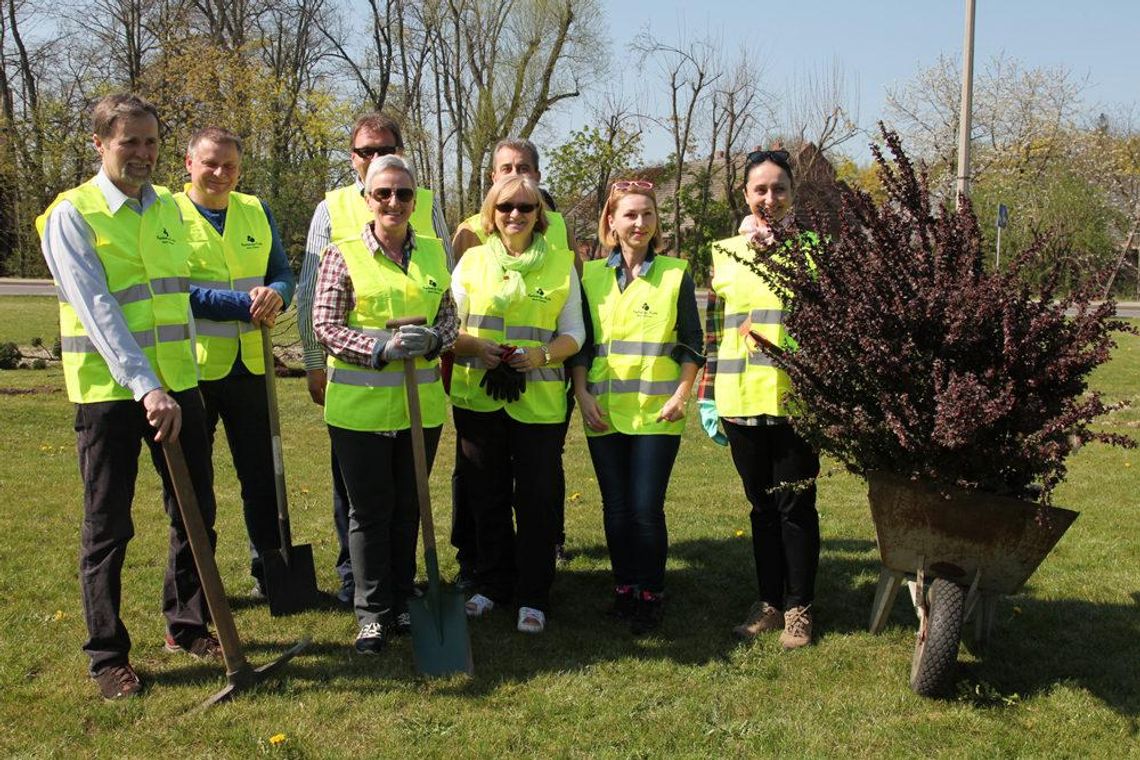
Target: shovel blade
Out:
[291,587]
[439,634]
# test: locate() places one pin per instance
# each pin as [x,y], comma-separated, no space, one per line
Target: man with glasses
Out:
[240,279]
[342,216]
[117,251]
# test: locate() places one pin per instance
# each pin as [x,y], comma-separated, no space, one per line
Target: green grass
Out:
[23,318]
[1062,677]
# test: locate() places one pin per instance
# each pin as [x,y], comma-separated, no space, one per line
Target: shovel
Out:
[239,673]
[290,577]
[439,623]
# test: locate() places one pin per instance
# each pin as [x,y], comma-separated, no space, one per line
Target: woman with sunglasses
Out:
[743,390]
[520,317]
[632,381]
[385,273]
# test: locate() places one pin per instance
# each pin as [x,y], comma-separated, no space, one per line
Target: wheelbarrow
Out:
[959,550]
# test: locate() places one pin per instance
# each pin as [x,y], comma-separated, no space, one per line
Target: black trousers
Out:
[109,438]
[240,402]
[463,516]
[511,480]
[383,522]
[785,524]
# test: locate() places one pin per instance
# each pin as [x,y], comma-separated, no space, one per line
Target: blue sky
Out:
[884,42]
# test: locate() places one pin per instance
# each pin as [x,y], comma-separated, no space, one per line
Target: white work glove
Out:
[417,340]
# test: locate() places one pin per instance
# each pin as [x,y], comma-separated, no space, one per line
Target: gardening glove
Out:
[710,421]
[492,385]
[418,340]
[394,349]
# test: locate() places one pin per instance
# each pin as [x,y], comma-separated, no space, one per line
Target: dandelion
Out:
[739,533]
[304,490]
[277,739]
[578,495]
[58,616]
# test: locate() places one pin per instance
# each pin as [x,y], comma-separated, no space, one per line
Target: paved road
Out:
[15,287]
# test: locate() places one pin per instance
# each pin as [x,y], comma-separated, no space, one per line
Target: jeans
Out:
[109,437]
[633,475]
[513,474]
[785,524]
[240,402]
[380,474]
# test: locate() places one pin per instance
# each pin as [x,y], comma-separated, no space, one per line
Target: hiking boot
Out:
[624,603]
[118,682]
[205,647]
[371,638]
[531,620]
[797,628]
[649,613]
[762,617]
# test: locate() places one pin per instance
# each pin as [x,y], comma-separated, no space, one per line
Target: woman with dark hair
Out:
[520,313]
[743,390]
[632,381]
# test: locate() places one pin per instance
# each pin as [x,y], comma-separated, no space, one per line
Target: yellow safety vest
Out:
[349,212]
[747,384]
[530,321]
[635,330]
[234,260]
[145,260]
[555,234]
[361,398]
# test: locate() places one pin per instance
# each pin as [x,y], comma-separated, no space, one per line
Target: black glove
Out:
[503,383]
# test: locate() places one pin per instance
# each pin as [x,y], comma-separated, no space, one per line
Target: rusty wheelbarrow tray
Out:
[962,546]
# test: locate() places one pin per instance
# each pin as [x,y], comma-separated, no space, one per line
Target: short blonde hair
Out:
[606,234]
[506,187]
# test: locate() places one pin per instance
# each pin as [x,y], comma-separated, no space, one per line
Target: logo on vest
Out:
[644,311]
[164,237]
[539,295]
[249,242]
[431,286]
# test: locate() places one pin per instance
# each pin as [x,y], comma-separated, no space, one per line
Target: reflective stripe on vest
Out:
[556,233]
[144,257]
[747,383]
[349,212]
[359,398]
[633,373]
[529,321]
[235,260]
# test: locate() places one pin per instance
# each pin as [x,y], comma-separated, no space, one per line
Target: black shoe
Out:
[464,581]
[118,682]
[561,556]
[371,638]
[649,613]
[624,603]
[345,596]
[402,625]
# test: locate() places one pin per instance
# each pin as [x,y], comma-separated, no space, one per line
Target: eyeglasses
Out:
[522,208]
[626,184]
[760,156]
[369,152]
[403,194]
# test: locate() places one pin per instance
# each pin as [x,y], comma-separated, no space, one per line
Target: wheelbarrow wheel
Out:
[936,655]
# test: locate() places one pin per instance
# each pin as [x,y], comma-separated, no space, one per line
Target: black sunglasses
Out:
[367,152]
[403,194]
[522,208]
[760,156]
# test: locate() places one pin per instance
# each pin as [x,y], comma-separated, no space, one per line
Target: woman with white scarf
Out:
[520,315]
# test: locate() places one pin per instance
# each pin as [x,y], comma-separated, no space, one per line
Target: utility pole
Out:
[964,120]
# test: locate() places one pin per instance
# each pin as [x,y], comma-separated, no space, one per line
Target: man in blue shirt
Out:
[240,280]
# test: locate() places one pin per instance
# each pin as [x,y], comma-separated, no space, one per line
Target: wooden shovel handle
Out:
[419,450]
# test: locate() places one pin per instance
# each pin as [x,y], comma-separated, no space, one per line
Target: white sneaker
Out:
[531,620]
[478,606]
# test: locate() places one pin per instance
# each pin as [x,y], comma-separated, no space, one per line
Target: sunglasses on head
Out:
[403,194]
[368,152]
[626,184]
[522,208]
[760,156]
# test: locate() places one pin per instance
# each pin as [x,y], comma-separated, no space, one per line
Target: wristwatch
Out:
[545,354]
